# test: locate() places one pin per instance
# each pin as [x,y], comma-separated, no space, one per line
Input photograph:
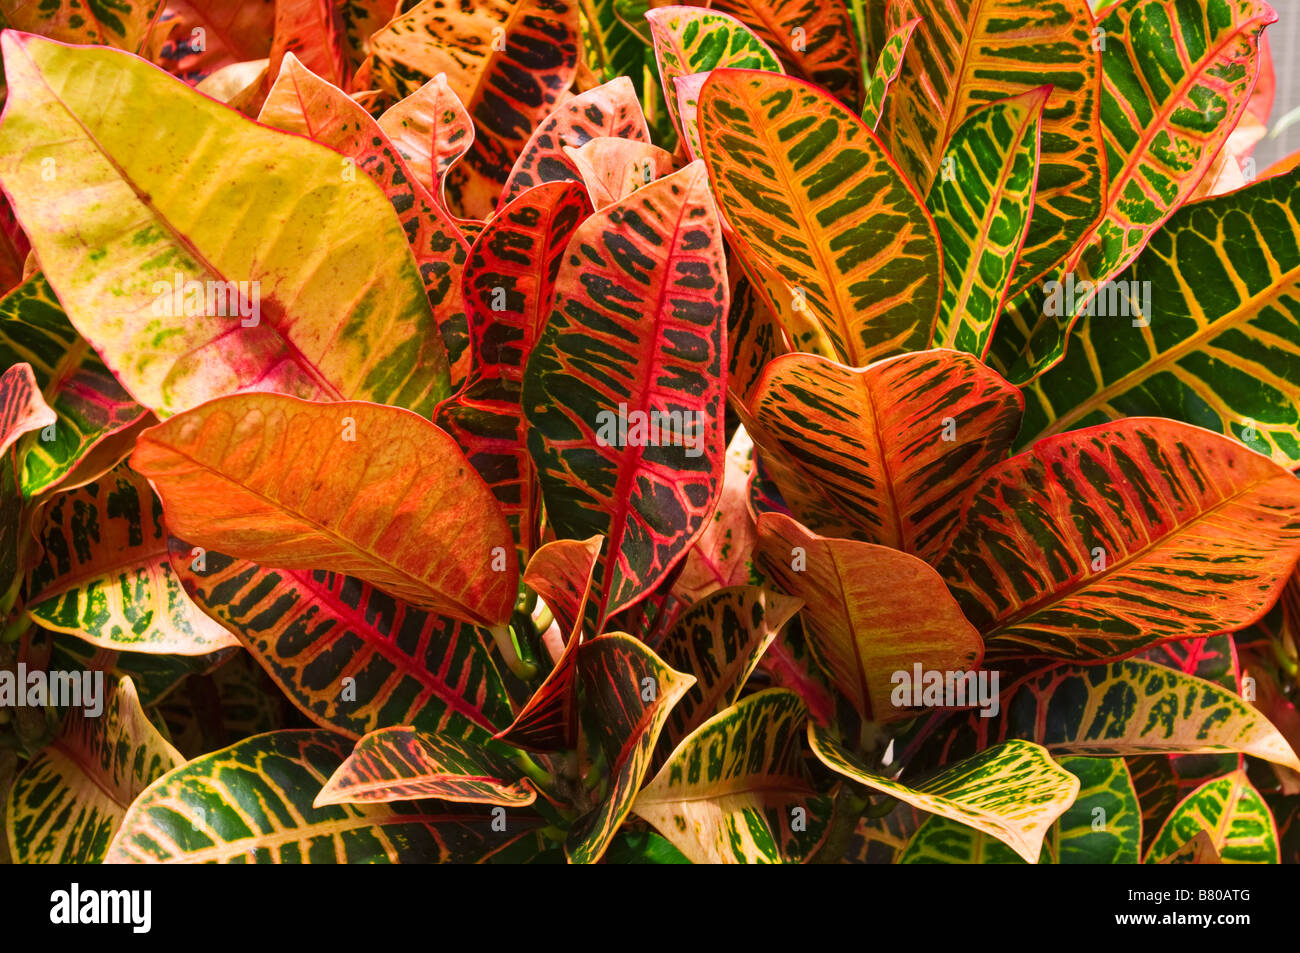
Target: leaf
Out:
[642,847]
[104,576]
[1013,792]
[871,611]
[348,320]
[1097,543]
[351,658]
[251,803]
[821,214]
[155,676]
[638,323]
[1175,82]
[70,799]
[613,169]
[688,40]
[616,674]
[1133,707]
[884,453]
[1106,798]
[399,764]
[972,52]
[432,131]
[311,30]
[719,640]
[549,721]
[735,789]
[210,34]
[1157,790]
[815,39]
[1234,816]
[123,24]
[302,102]
[1214,347]
[888,66]
[507,60]
[613,46]
[22,408]
[89,403]
[608,110]
[981,208]
[508,286]
[374,492]
[723,554]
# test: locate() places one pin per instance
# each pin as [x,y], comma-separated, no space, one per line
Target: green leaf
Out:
[735,791]
[105,576]
[888,65]
[67,803]
[1013,791]
[1229,809]
[251,803]
[89,403]
[982,202]
[1215,339]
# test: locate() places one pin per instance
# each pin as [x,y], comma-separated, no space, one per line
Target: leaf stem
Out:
[508,646]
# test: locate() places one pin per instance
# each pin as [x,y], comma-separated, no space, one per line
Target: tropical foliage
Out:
[757,431]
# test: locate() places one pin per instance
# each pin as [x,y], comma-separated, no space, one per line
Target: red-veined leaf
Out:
[888,66]
[612,169]
[210,34]
[1097,543]
[508,286]
[432,131]
[639,323]
[351,658]
[723,554]
[608,110]
[405,764]
[311,30]
[22,407]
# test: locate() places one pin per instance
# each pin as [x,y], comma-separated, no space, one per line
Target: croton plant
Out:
[748,431]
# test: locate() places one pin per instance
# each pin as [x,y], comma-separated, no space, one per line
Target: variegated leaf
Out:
[871,612]
[627,693]
[124,24]
[612,169]
[105,577]
[351,658]
[507,60]
[68,802]
[350,319]
[885,453]
[1013,791]
[966,53]
[1097,543]
[1228,809]
[735,790]
[982,202]
[888,66]
[842,244]
[639,323]
[1209,335]
[431,130]
[405,764]
[719,640]
[608,110]
[251,803]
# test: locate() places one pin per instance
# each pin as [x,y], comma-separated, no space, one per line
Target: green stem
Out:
[850,802]
[544,619]
[860,26]
[506,644]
